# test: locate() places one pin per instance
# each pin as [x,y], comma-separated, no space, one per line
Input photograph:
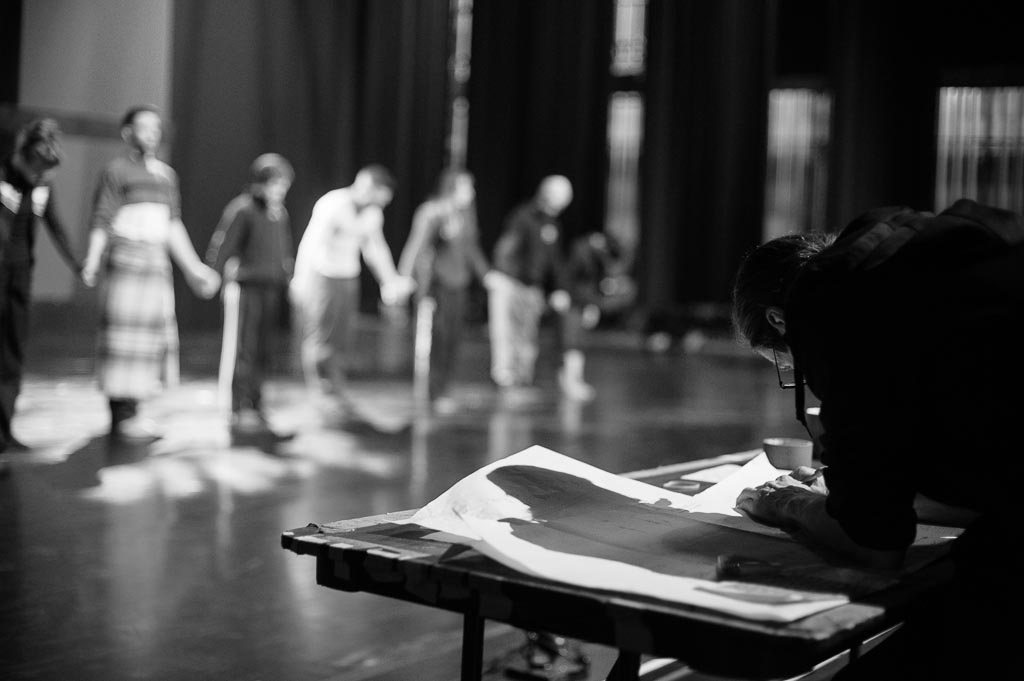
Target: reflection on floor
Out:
[163,561]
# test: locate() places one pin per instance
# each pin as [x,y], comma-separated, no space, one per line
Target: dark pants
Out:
[259,307]
[446,335]
[15,293]
[967,630]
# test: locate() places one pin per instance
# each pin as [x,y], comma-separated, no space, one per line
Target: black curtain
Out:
[331,84]
[538,105]
[704,151]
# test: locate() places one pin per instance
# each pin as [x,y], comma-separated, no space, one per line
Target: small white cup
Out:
[788,453]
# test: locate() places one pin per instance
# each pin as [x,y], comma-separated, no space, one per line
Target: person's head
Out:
[374,185]
[457,185]
[37,149]
[762,285]
[554,194]
[270,177]
[142,128]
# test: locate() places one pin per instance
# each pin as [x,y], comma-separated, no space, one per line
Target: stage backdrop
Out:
[330,84]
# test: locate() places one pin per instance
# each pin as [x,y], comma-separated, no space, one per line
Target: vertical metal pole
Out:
[421,348]
[626,667]
[472,647]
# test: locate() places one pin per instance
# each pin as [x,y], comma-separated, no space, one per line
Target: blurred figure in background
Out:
[443,255]
[528,259]
[25,198]
[252,249]
[135,224]
[346,223]
[599,287]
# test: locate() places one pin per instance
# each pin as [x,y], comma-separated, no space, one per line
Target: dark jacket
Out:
[24,201]
[530,248]
[262,244]
[909,330]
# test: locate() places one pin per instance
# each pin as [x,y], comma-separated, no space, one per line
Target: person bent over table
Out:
[907,328]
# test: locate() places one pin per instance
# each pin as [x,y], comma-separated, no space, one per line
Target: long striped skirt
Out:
[138,337]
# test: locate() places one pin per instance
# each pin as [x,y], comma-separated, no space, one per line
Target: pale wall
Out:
[89,60]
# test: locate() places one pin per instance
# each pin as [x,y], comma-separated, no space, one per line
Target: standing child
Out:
[252,249]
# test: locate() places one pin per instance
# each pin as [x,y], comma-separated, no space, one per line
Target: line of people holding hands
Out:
[136,231]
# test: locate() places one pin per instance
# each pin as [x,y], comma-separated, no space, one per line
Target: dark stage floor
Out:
[164,562]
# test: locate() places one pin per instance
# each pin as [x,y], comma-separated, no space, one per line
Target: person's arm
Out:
[792,505]
[106,202]
[420,234]
[202,279]
[475,253]
[311,241]
[59,235]
[228,237]
[287,245]
[94,256]
[508,249]
[393,288]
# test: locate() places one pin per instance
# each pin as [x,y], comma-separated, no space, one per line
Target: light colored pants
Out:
[514,312]
[329,309]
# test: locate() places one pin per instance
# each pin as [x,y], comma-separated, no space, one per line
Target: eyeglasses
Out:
[786,372]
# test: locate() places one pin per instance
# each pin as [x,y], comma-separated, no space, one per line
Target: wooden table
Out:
[378,556]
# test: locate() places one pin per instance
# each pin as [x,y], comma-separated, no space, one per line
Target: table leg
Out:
[626,667]
[472,647]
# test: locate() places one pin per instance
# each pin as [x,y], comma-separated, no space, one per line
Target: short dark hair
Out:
[380,175]
[39,141]
[269,167]
[132,112]
[764,279]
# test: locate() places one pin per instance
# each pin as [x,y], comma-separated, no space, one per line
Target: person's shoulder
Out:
[165,170]
[334,197]
[241,203]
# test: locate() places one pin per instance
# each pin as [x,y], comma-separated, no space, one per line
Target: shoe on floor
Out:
[444,405]
[576,389]
[138,428]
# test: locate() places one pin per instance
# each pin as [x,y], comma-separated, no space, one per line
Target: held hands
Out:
[204,281]
[90,274]
[397,290]
[492,280]
[559,301]
[779,502]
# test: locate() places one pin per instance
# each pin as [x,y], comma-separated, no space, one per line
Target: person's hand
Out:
[397,289]
[90,274]
[810,476]
[777,502]
[492,279]
[204,281]
[591,316]
[559,301]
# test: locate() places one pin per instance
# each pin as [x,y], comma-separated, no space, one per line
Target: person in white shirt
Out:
[346,223]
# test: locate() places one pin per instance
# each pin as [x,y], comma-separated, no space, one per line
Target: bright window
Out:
[981,146]
[797,170]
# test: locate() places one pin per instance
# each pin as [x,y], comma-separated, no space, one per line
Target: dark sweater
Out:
[529,249]
[261,243]
[909,330]
[22,204]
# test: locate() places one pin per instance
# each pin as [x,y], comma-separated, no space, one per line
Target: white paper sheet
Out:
[606,514]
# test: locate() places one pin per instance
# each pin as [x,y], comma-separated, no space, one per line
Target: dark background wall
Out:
[335,84]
